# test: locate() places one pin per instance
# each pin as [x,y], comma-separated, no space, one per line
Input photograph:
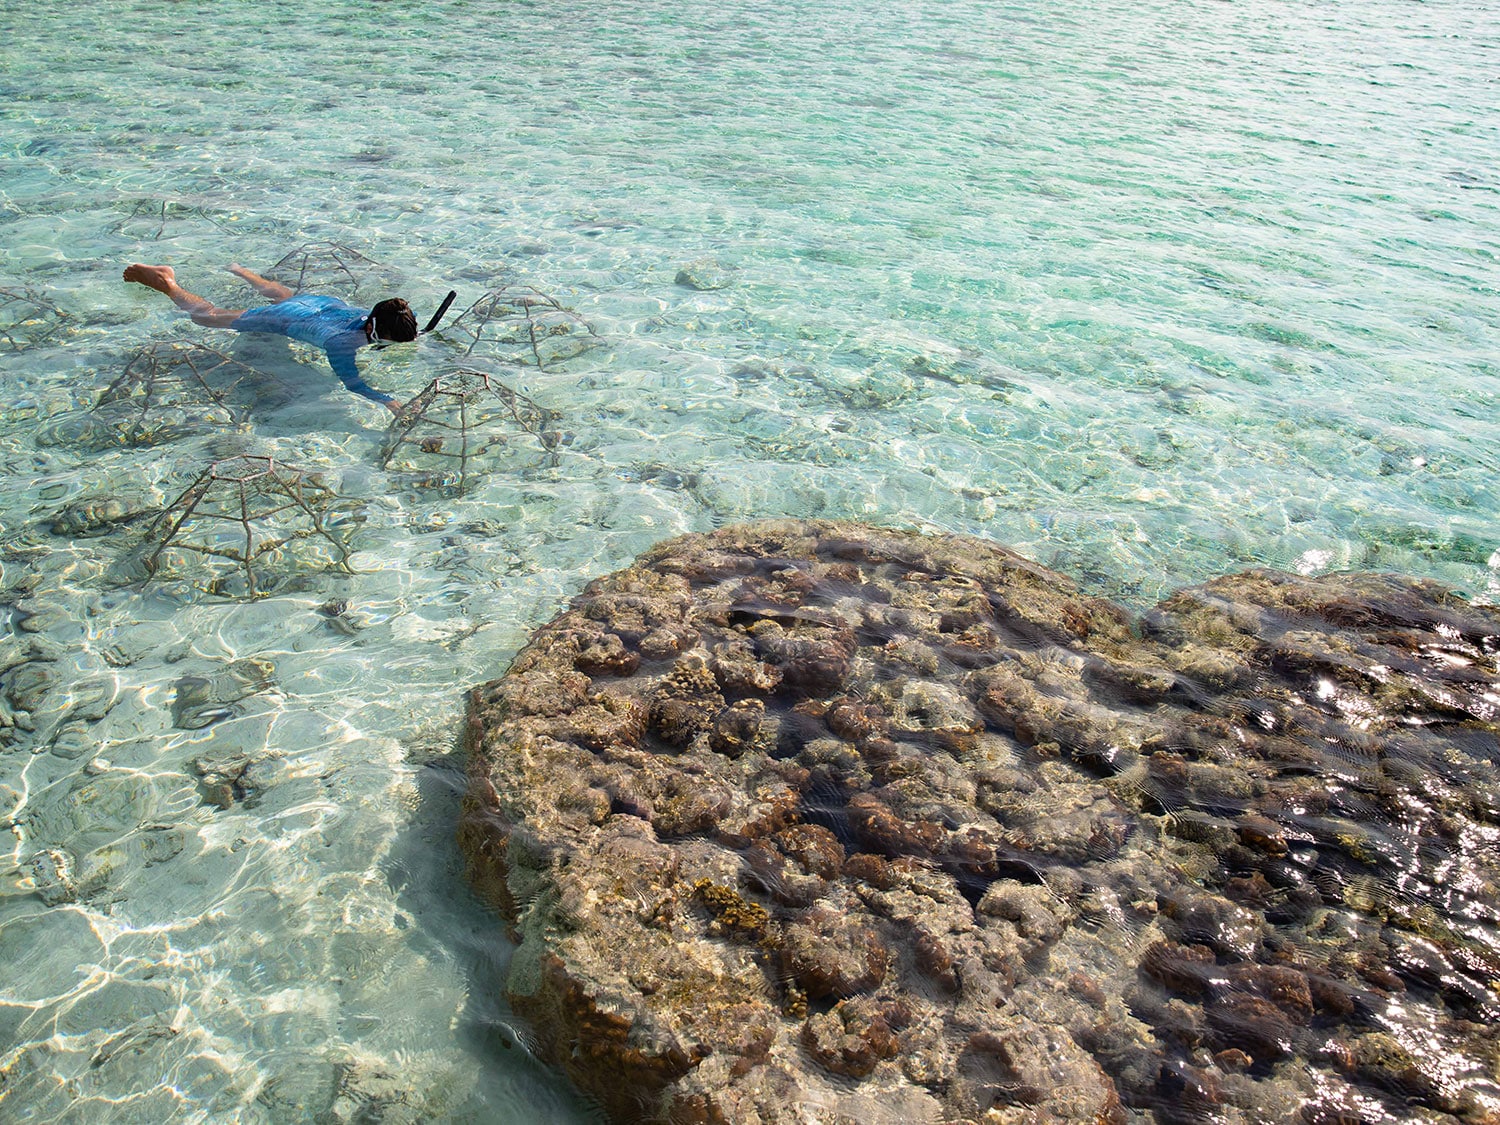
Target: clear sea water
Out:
[1149,291]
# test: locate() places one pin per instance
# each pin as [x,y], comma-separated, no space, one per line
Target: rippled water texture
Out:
[1149,292]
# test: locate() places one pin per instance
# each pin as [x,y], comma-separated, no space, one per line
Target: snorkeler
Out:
[338,328]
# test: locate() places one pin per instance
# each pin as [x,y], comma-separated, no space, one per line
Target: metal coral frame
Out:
[41,309]
[154,370]
[532,317]
[336,258]
[243,481]
[443,418]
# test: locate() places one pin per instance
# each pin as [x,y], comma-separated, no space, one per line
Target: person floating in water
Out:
[338,328]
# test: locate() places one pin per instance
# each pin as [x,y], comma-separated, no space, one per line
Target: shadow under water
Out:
[451,925]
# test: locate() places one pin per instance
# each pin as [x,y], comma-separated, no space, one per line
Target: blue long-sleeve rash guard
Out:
[329,323]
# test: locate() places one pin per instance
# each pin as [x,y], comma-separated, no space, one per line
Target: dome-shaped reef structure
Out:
[462,426]
[805,821]
[246,526]
[151,218]
[518,324]
[27,320]
[167,391]
[324,267]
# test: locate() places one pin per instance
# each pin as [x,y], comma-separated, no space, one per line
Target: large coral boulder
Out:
[805,821]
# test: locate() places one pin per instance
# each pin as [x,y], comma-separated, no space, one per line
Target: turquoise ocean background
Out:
[1150,292]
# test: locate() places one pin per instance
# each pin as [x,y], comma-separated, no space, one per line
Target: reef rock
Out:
[807,821]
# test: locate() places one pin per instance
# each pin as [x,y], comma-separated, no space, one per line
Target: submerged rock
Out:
[199,701]
[53,876]
[95,515]
[808,821]
[705,273]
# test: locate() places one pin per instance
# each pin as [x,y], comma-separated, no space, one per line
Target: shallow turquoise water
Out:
[1149,292]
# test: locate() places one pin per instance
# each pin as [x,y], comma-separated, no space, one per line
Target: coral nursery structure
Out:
[171,389]
[26,319]
[245,526]
[463,425]
[167,391]
[320,266]
[522,325]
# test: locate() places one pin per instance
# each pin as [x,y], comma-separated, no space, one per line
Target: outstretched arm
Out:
[271,290]
[342,362]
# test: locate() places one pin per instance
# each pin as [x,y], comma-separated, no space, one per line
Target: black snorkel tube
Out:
[437,316]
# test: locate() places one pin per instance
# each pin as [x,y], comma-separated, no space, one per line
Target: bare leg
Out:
[164,280]
[271,290]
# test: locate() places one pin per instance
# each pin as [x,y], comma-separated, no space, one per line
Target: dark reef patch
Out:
[814,821]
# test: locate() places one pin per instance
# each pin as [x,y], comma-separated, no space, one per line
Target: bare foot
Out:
[160,278]
[271,290]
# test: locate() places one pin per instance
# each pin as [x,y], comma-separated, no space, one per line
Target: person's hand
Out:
[393,406]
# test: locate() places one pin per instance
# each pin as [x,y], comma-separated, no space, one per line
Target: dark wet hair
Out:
[394,320]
